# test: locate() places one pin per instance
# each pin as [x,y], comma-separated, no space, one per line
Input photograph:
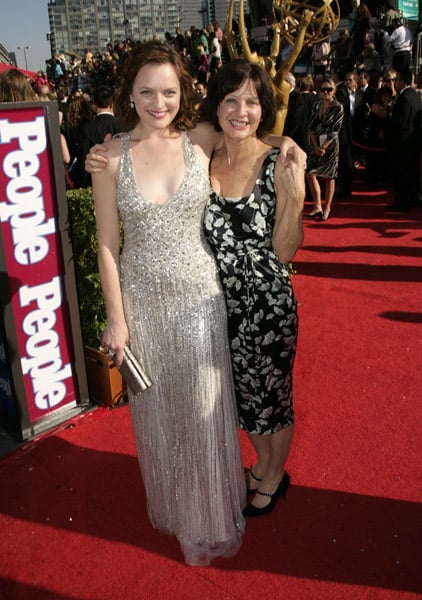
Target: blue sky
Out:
[25,23]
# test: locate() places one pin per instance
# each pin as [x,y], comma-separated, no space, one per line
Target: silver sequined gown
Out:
[185,426]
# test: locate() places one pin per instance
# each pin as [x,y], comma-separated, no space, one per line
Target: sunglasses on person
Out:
[326,90]
[391,79]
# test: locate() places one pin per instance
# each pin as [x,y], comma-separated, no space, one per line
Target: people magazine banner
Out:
[38,334]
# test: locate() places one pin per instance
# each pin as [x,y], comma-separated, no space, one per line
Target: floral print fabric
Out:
[262,312]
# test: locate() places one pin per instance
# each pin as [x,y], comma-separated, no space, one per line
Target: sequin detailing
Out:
[185,426]
[261,305]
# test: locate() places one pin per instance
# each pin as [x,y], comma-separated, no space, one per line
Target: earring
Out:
[132,104]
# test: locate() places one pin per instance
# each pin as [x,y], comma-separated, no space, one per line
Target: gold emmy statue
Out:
[299,22]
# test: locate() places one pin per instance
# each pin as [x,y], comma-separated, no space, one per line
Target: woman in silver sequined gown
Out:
[163,295]
[185,426]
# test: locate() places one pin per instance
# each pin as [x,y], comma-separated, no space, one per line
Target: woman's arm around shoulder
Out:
[289,179]
[96,159]
[205,140]
[104,186]
[289,149]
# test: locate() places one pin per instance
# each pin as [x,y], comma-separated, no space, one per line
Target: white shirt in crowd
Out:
[401,39]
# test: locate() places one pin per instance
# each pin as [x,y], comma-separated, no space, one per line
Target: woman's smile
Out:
[156,94]
[240,110]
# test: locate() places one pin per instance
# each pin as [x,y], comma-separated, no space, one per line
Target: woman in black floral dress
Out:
[253,222]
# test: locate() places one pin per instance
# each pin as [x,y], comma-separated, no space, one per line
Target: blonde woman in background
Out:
[324,127]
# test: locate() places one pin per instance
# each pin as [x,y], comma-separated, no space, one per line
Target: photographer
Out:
[401,40]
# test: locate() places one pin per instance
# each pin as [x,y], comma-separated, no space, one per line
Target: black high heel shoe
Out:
[326,215]
[250,491]
[254,511]
[317,214]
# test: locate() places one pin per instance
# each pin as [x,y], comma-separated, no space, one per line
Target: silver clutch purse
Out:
[133,373]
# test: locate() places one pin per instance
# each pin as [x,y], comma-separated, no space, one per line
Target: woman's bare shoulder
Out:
[114,146]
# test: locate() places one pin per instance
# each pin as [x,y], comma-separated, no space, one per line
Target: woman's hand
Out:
[289,150]
[113,341]
[96,160]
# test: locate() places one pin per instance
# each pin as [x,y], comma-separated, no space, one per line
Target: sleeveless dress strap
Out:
[124,158]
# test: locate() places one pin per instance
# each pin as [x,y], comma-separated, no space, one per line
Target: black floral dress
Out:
[262,311]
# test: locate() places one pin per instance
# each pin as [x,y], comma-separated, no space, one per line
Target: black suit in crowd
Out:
[405,143]
[360,126]
[91,133]
[304,141]
[294,117]
[359,118]
[345,166]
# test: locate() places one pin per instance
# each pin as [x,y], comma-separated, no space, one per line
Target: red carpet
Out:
[72,507]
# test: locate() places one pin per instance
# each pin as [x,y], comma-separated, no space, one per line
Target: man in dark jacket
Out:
[294,117]
[345,170]
[405,142]
[93,132]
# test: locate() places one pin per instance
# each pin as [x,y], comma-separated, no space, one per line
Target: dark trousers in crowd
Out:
[402,60]
[345,172]
[406,179]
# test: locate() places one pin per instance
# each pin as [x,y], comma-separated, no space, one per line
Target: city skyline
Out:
[25,24]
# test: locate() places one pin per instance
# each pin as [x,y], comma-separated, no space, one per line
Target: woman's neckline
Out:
[170,200]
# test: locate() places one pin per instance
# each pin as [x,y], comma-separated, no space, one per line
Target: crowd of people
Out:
[369,119]
[362,61]
[357,106]
[212,207]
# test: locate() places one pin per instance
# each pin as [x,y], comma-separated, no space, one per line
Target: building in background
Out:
[7,58]
[79,24]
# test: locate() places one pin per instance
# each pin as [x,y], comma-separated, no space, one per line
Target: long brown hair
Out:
[79,111]
[15,87]
[159,54]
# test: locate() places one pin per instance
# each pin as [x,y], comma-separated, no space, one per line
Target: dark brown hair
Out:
[230,78]
[156,53]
